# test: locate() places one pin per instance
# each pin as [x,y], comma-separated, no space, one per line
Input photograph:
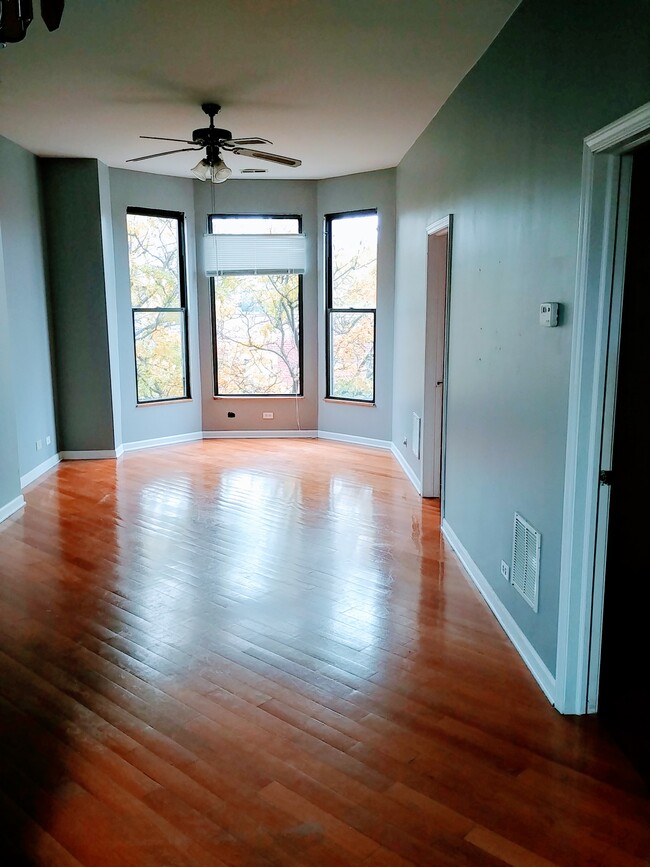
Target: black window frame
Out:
[330,309]
[215,351]
[179,216]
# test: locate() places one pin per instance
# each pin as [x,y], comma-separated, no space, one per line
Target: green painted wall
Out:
[78,284]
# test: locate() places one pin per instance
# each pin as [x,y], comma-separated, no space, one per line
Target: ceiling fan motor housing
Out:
[211,134]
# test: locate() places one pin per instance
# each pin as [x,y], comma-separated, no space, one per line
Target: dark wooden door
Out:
[624,695]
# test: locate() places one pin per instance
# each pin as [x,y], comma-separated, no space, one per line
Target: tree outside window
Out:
[257,320]
[351,305]
[158,300]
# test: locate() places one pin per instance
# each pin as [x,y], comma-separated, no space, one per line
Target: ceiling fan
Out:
[214,140]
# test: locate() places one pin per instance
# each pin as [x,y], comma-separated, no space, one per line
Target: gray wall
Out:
[352,193]
[28,346]
[504,156]
[73,219]
[141,190]
[261,197]
[9,474]
[112,323]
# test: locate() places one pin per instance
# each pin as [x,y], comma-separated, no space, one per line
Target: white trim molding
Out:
[11,508]
[258,434]
[38,471]
[522,645]
[136,445]
[582,569]
[92,455]
[353,440]
[410,475]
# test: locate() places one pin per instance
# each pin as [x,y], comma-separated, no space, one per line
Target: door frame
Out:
[435,369]
[594,358]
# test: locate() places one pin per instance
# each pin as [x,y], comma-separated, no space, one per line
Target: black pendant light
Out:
[17,15]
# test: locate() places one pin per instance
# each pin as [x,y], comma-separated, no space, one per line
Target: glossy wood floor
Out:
[262,653]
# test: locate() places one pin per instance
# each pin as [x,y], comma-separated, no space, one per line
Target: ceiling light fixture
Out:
[217,172]
[17,15]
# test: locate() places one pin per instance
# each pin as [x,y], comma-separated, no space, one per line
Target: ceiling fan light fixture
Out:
[202,170]
[217,172]
[220,172]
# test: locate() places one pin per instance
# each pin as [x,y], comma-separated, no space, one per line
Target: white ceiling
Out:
[344,85]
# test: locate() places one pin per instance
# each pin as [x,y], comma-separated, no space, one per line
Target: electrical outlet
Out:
[39,445]
[48,440]
[505,570]
[267,415]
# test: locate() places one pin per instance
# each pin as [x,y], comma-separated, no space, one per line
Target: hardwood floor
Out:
[263,653]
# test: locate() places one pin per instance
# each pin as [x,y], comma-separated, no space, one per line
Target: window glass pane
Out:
[354,261]
[257,324]
[154,261]
[255,225]
[159,354]
[352,342]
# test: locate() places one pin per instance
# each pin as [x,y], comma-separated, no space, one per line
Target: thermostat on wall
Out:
[548,313]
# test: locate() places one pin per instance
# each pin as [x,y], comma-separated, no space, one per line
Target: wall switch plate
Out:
[48,441]
[39,445]
[267,415]
[548,313]
[505,570]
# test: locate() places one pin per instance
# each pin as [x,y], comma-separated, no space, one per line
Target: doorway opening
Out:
[435,358]
[605,218]
[623,699]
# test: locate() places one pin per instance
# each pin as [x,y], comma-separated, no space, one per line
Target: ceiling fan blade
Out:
[272,158]
[162,154]
[159,138]
[233,142]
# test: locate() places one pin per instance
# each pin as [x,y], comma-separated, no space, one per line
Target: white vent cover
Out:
[415,434]
[526,544]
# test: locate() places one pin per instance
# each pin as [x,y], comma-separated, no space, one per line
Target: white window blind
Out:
[254,254]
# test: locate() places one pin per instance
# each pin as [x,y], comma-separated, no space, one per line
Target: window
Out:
[351,240]
[159,304]
[257,320]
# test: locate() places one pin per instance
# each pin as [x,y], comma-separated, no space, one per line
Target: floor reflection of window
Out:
[258,511]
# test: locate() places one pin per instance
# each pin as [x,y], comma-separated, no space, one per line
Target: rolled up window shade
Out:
[254,254]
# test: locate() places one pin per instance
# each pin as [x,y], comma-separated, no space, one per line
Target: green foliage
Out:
[257,321]
[354,288]
[155,283]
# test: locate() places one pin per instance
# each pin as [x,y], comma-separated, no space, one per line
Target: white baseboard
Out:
[10,508]
[93,455]
[401,460]
[38,471]
[162,441]
[348,438]
[258,434]
[522,645]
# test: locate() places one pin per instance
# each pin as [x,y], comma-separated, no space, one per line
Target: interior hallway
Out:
[262,652]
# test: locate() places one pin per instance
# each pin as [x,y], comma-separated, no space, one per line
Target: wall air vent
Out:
[526,545]
[252,171]
[415,434]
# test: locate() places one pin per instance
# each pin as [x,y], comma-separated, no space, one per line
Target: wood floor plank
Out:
[264,653]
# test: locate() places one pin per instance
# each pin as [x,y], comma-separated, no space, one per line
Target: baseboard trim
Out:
[258,434]
[407,469]
[93,455]
[353,440]
[11,508]
[136,445]
[38,471]
[522,645]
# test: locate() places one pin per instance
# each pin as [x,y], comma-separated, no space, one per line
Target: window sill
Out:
[171,402]
[343,402]
[258,397]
